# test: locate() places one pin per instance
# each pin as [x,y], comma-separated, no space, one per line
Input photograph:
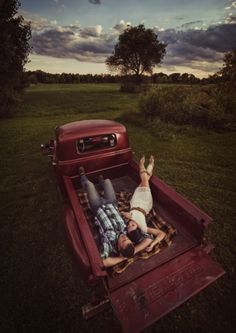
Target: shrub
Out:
[162,102]
[225,94]
[184,105]
[202,109]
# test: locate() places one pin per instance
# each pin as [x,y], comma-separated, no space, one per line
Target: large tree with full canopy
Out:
[14,37]
[137,52]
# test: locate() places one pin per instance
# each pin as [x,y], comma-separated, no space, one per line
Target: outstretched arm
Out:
[141,246]
[154,231]
[111,261]
[160,235]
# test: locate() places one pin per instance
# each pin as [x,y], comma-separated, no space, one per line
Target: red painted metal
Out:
[148,298]
[67,154]
[66,157]
[147,289]
[76,243]
[88,240]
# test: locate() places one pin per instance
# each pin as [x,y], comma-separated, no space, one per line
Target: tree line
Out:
[39,76]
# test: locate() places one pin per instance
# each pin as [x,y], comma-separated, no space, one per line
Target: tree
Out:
[226,82]
[228,72]
[174,77]
[137,52]
[160,78]
[14,37]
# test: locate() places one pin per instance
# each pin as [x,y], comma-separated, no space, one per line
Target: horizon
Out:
[106,74]
[76,36]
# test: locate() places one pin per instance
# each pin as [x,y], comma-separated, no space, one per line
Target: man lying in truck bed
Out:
[116,246]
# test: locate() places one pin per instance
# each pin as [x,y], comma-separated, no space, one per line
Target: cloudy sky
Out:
[77,35]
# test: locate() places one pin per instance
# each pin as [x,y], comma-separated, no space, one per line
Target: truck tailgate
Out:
[143,301]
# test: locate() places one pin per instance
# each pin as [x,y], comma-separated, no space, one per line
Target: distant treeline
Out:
[39,76]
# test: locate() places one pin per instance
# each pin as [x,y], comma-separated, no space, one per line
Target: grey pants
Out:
[95,200]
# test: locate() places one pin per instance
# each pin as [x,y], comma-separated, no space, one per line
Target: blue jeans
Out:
[95,200]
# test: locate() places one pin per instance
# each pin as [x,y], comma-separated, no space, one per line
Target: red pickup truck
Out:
[143,290]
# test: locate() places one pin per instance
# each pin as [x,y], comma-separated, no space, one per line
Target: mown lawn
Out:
[53,100]
[41,290]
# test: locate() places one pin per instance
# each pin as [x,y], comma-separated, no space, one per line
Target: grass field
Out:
[41,290]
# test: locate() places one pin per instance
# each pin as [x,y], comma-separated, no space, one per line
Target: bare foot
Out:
[141,163]
[150,165]
[151,160]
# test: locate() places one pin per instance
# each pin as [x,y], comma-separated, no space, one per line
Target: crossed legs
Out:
[145,173]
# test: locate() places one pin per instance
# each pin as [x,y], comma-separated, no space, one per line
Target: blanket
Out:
[154,220]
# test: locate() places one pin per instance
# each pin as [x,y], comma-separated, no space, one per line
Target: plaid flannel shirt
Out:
[110,225]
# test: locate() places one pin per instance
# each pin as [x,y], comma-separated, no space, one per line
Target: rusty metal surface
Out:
[141,267]
[148,298]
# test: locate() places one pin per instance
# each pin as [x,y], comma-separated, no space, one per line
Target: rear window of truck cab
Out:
[94,143]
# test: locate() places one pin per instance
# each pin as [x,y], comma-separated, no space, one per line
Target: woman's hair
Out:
[128,251]
[135,236]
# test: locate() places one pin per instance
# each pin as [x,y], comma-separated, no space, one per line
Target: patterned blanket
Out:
[153,219]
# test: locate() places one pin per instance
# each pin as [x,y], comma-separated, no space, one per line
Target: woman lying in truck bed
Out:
[121,238]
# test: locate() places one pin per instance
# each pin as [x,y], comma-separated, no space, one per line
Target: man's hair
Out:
[128,251]
[135,236]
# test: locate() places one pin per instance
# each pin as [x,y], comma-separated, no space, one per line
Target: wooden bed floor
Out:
[181,243]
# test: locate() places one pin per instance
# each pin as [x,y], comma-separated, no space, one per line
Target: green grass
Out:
[41,290]
[52,99]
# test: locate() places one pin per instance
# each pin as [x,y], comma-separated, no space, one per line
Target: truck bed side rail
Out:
[86,234]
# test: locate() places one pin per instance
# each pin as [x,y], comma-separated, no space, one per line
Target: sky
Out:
[76,36]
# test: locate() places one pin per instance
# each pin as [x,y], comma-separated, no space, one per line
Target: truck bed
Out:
[182,242]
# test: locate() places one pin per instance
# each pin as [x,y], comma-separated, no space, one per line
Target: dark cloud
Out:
[186,55]
[187,45]
[71,42]
[198,45]
[99,48]
[219,38]
[95,2]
